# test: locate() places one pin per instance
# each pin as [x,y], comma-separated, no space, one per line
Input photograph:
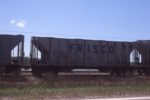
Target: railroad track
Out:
[77,73]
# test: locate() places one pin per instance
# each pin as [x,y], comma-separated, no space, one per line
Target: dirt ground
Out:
[73,79]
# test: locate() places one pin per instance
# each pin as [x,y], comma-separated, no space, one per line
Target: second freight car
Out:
[11,53]
[58,54]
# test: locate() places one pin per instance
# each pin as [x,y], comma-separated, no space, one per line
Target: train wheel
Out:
[16,72]
[147,72]
[2,69]
[130,73]
[140,72]
[37,73]
[52,74]
[118,73]
[124,74]
[112,73]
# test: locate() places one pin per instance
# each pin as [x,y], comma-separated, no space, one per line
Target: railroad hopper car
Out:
[11,53]
[63,55]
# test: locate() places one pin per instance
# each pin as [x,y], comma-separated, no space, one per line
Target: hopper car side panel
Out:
[125,61]
[111,56]
[91,53]
[79,53]
[10,61]
[148,54]
[5,50]
[88,55]
[141,49]
[63,52]
[44,42]
[54,52]
[118,54]
[111,53]
[94,49]
[71,52]
[103,53]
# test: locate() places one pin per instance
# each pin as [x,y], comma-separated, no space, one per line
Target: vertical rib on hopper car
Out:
[58,54]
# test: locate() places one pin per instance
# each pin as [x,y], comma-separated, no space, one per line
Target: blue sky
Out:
[122,20]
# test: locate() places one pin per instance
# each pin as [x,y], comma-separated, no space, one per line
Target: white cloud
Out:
[21,24]
[12,21]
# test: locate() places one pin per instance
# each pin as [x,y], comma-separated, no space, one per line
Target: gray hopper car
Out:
[58,54]
[11,53]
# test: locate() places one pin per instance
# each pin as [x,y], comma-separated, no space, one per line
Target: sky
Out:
[119,20]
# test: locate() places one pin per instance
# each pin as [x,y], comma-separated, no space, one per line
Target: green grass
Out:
[41,91]
[73,87]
